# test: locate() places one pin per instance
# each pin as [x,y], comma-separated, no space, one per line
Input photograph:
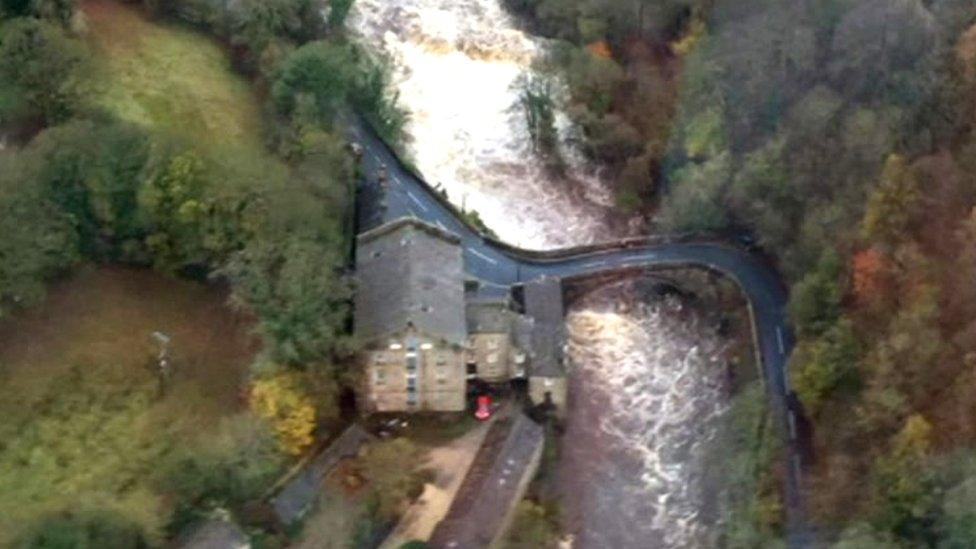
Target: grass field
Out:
[171,78]
[82,419]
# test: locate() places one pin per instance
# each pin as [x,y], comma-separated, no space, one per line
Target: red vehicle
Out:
[483,410]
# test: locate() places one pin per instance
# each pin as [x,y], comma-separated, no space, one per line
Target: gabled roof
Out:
[410,273]
[543,300]
[493,485]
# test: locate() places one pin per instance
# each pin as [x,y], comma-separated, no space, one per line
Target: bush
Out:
[48,68]
[85,529]
[38,241]
[230,468]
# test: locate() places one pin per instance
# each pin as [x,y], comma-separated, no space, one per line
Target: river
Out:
[645,391]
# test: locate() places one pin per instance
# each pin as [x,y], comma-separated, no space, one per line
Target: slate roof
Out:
[492,485]
[543,300]
[410,272]
[488,317]
[296,497]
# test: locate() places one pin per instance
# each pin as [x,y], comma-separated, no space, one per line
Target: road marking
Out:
[441,225]
[595,264]
[416,201]
[482,256]
[779,339]
[792,421]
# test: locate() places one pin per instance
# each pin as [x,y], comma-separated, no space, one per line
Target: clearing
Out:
[83,420]
[169,77]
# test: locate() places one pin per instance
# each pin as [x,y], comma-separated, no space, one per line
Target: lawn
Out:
[171,78]
[83,418]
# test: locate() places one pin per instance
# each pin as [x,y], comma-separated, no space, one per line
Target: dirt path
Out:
[450,464]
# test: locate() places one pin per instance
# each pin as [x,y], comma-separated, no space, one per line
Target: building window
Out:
[492,358]
[492,344]
[379,377]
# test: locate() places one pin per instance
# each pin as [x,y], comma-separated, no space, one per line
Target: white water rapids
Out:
[645,394]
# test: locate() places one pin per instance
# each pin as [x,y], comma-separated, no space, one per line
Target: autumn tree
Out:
[281,400]
[823,365]
[902,486]
[891,208]
[870,279]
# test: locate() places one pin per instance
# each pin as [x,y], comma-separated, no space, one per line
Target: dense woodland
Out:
[840,133]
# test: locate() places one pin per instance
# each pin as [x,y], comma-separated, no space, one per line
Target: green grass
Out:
[171,78]
[82,419]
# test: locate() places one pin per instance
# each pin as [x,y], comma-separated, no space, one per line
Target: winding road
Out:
[499,266]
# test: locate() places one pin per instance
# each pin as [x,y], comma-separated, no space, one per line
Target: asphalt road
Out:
[500,267]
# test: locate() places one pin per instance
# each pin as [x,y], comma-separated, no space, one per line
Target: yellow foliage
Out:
[281,400]
[684,45]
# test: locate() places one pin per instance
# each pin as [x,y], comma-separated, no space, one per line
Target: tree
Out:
[39,240]
[533,527]
[172,202]
[823,365]
[317,78]
[891,208]
[281,400]
[883,49]
[84,529]
[230,468]
[295,288]
[695,202]
[815,300]
[871,280]
[394,471]
[48,67]
[903,486]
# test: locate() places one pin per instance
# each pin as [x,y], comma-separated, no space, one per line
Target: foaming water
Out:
[645,390]
[456,63]
[647,397]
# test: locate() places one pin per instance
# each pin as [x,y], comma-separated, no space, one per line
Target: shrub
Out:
[85,529]
[47,67]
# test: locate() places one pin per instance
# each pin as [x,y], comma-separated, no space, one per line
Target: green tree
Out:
[295,288]
[533,527]
[172,201]
[815,300]
[85,529]
[316,78]
[38,240]
[696,201]
[46,66]
[821,366]
[229,468]
[394,471]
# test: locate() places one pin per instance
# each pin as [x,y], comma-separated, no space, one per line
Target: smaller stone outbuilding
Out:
[543,303]
[483,510]
[490,346]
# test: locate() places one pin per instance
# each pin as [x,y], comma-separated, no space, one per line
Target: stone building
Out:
[409,313]
[424,336]
[543,304]
[491,350]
